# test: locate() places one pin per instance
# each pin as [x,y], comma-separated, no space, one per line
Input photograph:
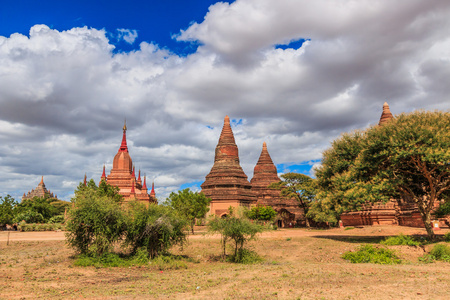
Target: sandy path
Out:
[284,232]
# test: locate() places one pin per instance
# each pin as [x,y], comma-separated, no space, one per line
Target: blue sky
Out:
[154,20]
[293,74]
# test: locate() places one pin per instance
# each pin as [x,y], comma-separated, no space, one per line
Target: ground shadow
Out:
[423,238]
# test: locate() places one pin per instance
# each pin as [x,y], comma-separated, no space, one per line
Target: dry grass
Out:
[299,264]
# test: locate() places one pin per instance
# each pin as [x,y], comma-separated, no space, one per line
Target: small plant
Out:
[427,259]
[167,262]
[447,237]
[370,254]
[245,256]
[441,252]
[400,240]
[349,228]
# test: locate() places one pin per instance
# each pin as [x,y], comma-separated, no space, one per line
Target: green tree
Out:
[237,229]
[36,210]
[261,213]
[155,228]
[191,205]
[298,186]
[407,158]
[96,220]
[7,210]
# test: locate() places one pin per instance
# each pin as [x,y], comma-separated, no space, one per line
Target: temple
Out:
[123,176]
[226,184]
[40,191]
[264,174]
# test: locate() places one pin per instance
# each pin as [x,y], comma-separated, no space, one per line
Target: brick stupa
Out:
[264,174]
[226,184]
[386,115]
[123,176]
[40,191]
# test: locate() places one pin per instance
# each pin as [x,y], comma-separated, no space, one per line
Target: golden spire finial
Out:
[125,125]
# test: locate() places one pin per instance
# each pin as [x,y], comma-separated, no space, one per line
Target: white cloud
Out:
[64,94]
[127,35]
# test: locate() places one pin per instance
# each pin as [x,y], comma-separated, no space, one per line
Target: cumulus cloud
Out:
[64,94]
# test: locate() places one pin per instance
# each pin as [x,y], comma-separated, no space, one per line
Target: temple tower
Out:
[386,115]
[123,175]
[264,174]
[226,184]
[40,191]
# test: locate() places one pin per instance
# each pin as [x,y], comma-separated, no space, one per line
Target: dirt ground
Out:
[298,264]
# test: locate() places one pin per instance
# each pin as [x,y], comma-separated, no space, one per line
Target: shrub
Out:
[370,254]
[164,262]
[95,222]
[400,240]
[109,259]
[245,256]
[441,252]
[56,219]
[447,237]
[261,213]
[155,228]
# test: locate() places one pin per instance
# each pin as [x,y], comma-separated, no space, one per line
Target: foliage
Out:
[36,210]
[298,186]
[109,259]
[168,262]
[155,228]
[370,254]
[238,229]
[245,256]
[443,210]
[400,240]
[261,213]
[39,227]
[447,237]
[56,219]
[95,222]
[7,210]
[406,158]
[439,252]
[191,205]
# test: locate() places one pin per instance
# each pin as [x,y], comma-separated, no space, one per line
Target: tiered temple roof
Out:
[226,184]
[123,176]
[40,191]
[264,174]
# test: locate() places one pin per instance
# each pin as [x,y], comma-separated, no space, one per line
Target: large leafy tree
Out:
[7,210]
[407,158]
[191,205]
[298,186]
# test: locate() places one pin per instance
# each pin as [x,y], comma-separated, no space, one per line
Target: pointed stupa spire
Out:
[103,174]
[42,180]
[226,147]
[139,176]
[84,181]
[123,146]
[133,174]
[265,171]
[144,186]
[152,193]
[386,115]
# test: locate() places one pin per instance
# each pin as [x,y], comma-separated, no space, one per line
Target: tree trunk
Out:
[428,226]
[192,226]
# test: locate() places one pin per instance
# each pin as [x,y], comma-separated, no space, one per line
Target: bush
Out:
[164,262]
[56,219]
[370,254]
[95,222]
[261,213]
[400,240]
[109,259]
[447,237]
[441,252]
[443,210]
[155,228]
[245,256]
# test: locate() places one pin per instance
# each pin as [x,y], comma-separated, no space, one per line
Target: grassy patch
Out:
[370,254]
[439,252]
[400,240]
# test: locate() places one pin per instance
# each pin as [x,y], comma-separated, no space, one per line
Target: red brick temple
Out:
[264,174]
[395,212]
[226,184]
[40,191]
[123,176]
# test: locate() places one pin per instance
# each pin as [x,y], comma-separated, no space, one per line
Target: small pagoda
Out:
[40,191]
